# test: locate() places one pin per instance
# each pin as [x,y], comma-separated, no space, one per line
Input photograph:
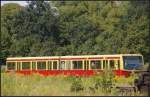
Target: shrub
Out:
[107,80]
[77,85]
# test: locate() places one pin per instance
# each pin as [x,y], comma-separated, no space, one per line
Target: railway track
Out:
[143,81]
[141,84]
[126,90]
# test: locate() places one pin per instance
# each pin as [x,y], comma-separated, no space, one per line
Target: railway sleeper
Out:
[126,90]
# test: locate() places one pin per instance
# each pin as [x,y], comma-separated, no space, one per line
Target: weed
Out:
[13,84]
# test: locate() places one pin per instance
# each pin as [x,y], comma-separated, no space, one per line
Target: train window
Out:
[49,65]
[55,64]
[41,65]
[62,65]
[25,65]
[68,65]
[77,64]
[33,65]
[112,64]
[11,65]
[96,64]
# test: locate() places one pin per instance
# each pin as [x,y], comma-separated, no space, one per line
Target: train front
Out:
[133,64]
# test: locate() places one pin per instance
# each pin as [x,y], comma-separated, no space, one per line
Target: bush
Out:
[107,80]
[146,66]
[77,85]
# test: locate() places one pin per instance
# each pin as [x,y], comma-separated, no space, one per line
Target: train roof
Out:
[74,56]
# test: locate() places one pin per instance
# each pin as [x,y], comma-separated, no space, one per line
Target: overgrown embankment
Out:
[15,84]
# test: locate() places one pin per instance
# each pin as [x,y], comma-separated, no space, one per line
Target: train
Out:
[76,65]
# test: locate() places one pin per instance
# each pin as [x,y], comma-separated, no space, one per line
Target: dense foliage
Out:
[74,28]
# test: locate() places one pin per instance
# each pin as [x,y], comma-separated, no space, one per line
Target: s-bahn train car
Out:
[84,65]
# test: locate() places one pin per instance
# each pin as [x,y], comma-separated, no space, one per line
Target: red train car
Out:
[84,65]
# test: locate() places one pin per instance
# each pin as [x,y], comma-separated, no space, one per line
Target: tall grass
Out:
[37,85]
[3,68]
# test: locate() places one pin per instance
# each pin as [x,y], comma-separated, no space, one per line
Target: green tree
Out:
[34,26]
[7,13]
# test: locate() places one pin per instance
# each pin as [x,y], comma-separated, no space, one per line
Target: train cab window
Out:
[25,65]
[77,64]
[112,64]
[55,64]
[96,64]
[62,65]
[11,65]
[49,65]
[41,65]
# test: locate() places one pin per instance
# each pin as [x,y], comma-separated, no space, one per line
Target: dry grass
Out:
[36,85]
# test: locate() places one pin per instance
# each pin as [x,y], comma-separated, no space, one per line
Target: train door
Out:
[62,65]
[68,65]
[105,64]
[33,65]
[55,65]
[112,64]
[50,65]
[18,66]
[117,64]
[86,65]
